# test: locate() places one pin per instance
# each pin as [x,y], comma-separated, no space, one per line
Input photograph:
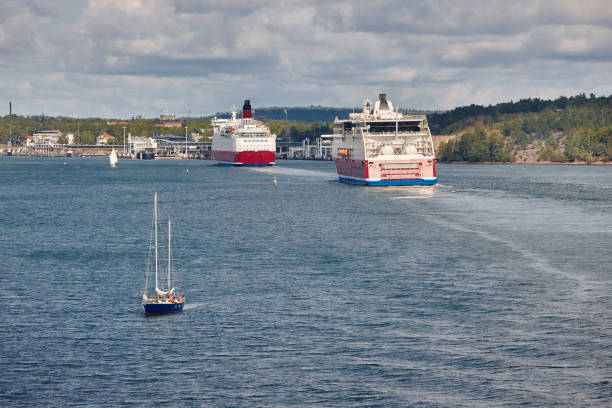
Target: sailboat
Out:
[113,158]
[163,301]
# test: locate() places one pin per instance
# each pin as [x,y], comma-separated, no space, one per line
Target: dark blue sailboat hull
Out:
[160,308]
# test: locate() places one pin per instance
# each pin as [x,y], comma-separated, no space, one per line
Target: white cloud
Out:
[202,56]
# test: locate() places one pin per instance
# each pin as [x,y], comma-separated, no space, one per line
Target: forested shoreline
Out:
[563,130]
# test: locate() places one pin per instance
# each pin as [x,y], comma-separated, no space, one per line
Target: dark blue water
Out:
[493,288]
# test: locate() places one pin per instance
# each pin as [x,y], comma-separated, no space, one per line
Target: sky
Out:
[124,58]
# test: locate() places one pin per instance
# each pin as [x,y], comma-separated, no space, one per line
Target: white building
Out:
[105,139]
[44,136]
[139,144]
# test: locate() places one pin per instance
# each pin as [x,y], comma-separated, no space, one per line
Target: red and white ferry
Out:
[382,147]
[244,141]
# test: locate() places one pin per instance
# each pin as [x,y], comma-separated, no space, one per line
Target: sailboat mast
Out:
[156,256]
[169,251]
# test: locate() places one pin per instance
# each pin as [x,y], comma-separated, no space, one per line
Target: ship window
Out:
[379,127]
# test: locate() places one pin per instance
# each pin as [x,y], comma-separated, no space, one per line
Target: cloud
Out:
[159,66]
[21,24]
[204,56]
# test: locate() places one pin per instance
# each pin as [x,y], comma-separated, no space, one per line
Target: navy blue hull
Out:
[385,183]
[159,308]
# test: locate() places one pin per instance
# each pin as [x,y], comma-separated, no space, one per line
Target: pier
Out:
[149,148]
[305,150]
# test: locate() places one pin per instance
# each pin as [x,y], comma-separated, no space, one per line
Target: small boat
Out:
[113,158]
[163,301]
[275,182]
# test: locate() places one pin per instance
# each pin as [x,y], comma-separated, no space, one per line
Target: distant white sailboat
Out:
[113,158]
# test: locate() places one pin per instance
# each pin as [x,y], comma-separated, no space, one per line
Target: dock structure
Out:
[139,147]
[47,148]
[305,150]
[167,147]
[177,147]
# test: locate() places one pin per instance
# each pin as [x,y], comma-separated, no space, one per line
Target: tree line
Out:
[458,118]
[563,130]
[86,130]
[578,128]
[310,114]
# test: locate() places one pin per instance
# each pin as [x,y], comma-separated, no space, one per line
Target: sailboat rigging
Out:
[168,300]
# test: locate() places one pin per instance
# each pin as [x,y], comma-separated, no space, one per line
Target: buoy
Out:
[187,171]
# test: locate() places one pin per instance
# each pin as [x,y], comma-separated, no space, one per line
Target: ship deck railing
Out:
[251,135]
[409,133]
[369,134]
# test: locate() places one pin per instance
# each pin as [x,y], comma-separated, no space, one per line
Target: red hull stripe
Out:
[377,172]
[351,168]
[247,157]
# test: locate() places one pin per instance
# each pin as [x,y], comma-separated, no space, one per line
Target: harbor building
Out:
[105,139]
[168,120]
[45,135]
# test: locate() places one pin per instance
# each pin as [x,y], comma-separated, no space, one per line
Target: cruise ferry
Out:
[383,147]
[243,141]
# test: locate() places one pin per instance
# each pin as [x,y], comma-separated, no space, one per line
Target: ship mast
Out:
[156,256]
[169,250]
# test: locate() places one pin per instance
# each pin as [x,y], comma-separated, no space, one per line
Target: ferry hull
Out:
[387,173]
[386,183]
[161,308]
[246,158]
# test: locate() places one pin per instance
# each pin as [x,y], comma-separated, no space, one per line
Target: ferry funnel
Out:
[246,109]
[383,105]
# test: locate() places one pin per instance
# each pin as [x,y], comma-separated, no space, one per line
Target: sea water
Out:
[492,288]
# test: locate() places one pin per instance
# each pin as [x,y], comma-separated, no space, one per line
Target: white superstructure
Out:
[380,146]
[243,141]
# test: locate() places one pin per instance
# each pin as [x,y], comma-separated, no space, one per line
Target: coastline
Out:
[547,163]
[99,154]
[576,163]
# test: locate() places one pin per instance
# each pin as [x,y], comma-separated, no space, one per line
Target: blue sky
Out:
[122,58]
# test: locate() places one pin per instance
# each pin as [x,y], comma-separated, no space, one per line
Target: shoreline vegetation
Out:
[575,130]
[543,163]
[561,131]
